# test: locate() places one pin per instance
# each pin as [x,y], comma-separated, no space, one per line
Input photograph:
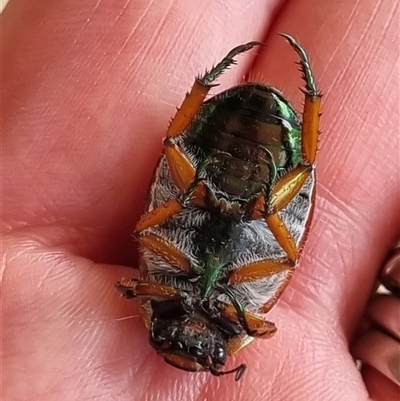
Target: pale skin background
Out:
[88,89]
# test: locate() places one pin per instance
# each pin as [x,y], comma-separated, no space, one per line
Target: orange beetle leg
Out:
[188,109]
[277,226]
[288,187]
[282,235]
[158,215]
[172,207]
[311,105]
[182,170]
[260,327]
[237,343]
[199,195]
[310,131]
[181,362]
[268,305]
[166,250]
[137,288]
[260,270]
[258,210]
[202,85]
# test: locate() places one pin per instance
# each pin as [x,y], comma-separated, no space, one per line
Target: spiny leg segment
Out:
[289,185]
[184,173]
[182,170]
[202,85]
[312,103]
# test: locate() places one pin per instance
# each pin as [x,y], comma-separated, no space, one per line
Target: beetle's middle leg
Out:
[282,193]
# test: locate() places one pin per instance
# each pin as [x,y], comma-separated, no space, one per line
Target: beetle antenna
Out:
[239,370]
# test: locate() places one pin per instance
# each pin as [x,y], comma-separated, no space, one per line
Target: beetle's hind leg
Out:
[290,184]
[182,170]
[202,85]
[312,103]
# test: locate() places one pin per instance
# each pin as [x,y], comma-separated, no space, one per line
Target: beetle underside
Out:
[229,208]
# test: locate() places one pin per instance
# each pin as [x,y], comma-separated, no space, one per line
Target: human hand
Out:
[88,88]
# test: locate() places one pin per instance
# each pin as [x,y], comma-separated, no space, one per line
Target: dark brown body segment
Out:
[248,134]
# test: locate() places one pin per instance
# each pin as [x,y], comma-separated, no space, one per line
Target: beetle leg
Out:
[263,269]
[260,270]
[158,215]
[168,209]
[182,362]
[311,105]
[288,187]
[283,192]
[255,326]
[184,174]
[197,180]
[235,344]
[282,235]
[277,227]
[182,170]
[193,100]
[140,288]
[165,250]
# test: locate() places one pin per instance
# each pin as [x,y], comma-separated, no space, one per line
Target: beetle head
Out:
[189,339]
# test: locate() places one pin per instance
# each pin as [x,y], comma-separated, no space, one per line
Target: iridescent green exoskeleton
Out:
[229,206]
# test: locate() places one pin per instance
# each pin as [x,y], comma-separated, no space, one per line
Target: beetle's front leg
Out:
[133,288]
[254,326]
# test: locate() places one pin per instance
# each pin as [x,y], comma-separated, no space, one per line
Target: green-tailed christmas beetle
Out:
[229,207]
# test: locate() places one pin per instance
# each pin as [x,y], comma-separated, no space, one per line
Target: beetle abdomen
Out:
[248,135]
[198,233]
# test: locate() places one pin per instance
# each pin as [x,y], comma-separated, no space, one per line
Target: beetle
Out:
[228,211]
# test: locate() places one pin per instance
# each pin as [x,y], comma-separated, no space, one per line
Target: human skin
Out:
[88,89]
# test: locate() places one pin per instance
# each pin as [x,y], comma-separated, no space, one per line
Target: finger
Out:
[380,388]
[89,88]
[378,347]
[357,162]
[350,232]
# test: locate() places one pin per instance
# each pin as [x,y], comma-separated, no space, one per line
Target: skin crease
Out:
[88,88]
